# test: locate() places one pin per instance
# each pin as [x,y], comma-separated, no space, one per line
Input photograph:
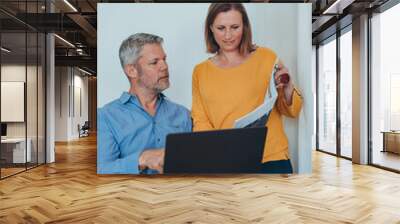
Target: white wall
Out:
[306,81]
[14,72]
[68,81]
[61,103]
[17,73]
[285,28]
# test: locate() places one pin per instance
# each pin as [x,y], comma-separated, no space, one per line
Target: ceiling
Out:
[76,22]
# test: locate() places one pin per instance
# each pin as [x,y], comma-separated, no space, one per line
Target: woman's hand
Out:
[283,80]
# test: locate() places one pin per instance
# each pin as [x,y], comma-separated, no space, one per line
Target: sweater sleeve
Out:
[292,110]
[200,119]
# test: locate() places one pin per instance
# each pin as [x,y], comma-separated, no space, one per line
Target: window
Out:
[22,66]
[346,94]
[385,89]
[327,97]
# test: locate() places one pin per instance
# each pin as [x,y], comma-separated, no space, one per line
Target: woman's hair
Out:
[246,44]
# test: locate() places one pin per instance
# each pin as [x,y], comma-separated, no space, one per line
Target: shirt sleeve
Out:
[292,110]
[109,159]
[200,118]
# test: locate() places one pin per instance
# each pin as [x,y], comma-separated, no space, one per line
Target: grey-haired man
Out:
[132,129]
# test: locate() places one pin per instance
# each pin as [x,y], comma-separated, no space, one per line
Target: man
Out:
[132,129]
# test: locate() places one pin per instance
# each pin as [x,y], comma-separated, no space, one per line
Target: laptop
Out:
[222,151]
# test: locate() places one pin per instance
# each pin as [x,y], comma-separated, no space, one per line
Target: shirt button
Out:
[158,139]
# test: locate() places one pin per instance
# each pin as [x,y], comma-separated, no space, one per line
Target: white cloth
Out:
[265,108]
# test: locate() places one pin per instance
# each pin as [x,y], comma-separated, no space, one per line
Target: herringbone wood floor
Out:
[69,191]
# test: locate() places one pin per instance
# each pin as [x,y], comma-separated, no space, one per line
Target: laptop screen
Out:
[206,151]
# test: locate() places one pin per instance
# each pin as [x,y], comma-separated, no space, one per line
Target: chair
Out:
[84,130]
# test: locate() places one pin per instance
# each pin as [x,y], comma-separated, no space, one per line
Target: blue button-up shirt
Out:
[125,130]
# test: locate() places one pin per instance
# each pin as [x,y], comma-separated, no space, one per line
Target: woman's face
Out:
[228,30]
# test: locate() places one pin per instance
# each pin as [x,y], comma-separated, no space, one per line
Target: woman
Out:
[234,81]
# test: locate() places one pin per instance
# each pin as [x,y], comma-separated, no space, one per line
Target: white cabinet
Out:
[18,149]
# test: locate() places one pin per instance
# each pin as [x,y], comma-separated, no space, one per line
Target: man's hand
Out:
[152,159]
[283,80]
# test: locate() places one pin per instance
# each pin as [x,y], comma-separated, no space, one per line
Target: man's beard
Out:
[161,84]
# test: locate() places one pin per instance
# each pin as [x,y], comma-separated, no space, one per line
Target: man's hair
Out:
[130,49]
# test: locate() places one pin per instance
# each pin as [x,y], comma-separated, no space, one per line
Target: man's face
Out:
[152,68]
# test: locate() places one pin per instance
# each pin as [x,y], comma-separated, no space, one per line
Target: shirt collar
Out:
[125,97]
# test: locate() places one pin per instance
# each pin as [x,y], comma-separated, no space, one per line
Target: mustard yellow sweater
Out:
[221,95]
